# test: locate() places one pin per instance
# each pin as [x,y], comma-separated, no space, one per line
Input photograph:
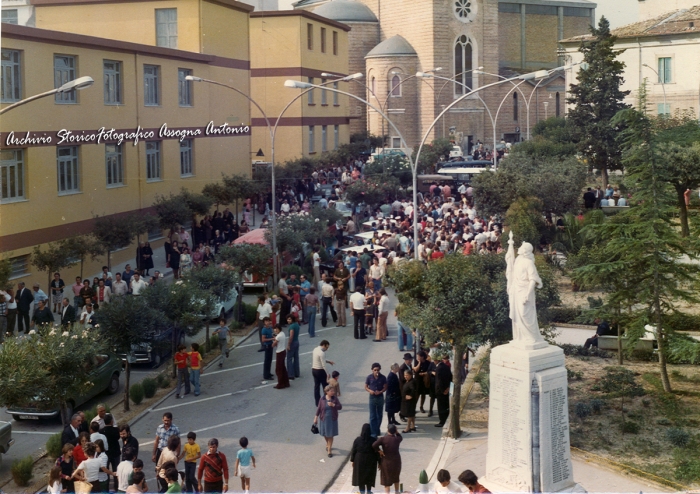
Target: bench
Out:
[610,343]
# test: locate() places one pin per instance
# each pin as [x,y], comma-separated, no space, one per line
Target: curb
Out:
[172,391]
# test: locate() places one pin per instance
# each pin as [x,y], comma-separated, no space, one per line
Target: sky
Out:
[618,12]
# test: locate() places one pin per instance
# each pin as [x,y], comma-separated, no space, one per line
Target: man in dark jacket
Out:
[42,316]
[70,433]
[24,300]
[67,313]
[443,379]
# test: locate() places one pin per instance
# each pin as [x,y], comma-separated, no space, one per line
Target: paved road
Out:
[290,458]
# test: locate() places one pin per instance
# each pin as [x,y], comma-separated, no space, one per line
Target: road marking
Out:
[194,402]
[302,334]
[244,366]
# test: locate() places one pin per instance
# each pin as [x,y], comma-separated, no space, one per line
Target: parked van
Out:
[461,175]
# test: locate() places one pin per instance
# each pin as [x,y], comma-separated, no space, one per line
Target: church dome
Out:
[346,11]
[396,46]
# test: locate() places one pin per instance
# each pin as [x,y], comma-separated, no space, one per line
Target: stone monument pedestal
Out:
[528,440]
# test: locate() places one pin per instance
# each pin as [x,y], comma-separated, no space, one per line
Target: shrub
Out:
[161,377]
[579,351]
[54,446]
[629,427]
[150,386]
[571,375]
[663,421]
[214,341]
[136,393]
[643,356]
[597,405]
[165,383]
[563,314]
[678,437]
[422,477]
[22,470]
[250,313]
[687,469]
[582,410]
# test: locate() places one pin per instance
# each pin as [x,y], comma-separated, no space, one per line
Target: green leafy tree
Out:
[390,166]
[524,218]
[556,182]
[198,204]
[253,258]
[461,301]
[171,211]
[127,322]
[217,281]
[597,98]
[369,191]
[53,367]
[643,246]
[81,247]
[53,259]
[182,305]
[431,154]
[5,273]
[117,232]
[552,138]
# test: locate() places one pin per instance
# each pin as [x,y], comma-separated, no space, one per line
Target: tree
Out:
[557,182]
[53,259]
[553,137]
[127,322]
[597,98]
[54,366]
[5,273]
[524,218]
[369,191]
[217,282]
[643,246]
[80,247]
[390,166]
[431,154]
[181,304]
[172,211]
[681,166]
[117,232]
[461,301]
[253,258]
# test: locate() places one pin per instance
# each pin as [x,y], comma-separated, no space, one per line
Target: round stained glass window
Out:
[464,10]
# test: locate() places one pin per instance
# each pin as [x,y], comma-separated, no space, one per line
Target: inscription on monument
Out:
[560,434]
[513,448]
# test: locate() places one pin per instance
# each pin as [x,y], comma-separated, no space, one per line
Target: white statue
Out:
[522,278]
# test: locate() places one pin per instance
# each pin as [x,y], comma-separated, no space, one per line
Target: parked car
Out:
[5,436]
[157,347]
[104,376]
[456,152]
[344,208]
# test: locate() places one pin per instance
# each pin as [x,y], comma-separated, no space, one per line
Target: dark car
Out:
[5,437]
[104,376]
[155,349]
[467,164]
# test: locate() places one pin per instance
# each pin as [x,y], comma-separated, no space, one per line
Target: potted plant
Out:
[423,481]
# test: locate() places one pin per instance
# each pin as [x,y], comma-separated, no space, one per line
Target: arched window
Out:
[395,86]
[515,106]
[557,105]
[373,85]
[463,65]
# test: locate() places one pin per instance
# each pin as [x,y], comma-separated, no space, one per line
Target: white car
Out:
[456,152]
[224,306]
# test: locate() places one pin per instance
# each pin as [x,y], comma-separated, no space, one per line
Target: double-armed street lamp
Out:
[272,129]
[79,83]
[661,81]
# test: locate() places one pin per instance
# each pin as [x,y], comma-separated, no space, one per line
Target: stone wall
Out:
[362,38]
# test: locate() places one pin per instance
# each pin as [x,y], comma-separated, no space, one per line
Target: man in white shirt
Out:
[119,286]
[87,317]
[137,284]
[317,266]
[318,368]
[327,292]
[264,310]
[125,469]
[357,305]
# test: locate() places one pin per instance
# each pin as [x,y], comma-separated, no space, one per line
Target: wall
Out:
[363,37]
[649,9]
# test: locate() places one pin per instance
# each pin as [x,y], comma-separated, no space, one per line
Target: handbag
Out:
[314,429]
[82,487]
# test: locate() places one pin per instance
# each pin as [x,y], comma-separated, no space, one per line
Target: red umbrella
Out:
[256,236]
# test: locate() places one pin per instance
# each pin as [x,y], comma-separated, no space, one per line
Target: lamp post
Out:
[79,83]
[304,85]
[663,84]
[273,134]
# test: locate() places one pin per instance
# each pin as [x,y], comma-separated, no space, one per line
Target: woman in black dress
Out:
[174,260]
[364,460]
[409,399]
[422,374]
[393,395]
[147,258]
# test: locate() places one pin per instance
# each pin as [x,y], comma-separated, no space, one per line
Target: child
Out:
[224,339]
[243,467]
[138,467]
[196,371]
[182,374]
[333,382]
[191,453]
[55,486]
[446,484]
[171,477]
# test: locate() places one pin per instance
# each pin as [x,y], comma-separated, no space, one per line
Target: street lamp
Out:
[663,84]
[273,134]
[79,83]
[306,85]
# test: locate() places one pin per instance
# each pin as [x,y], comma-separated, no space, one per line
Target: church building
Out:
[474,42]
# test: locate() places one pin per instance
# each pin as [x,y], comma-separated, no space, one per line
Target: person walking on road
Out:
[280,346]
[327,411]
[183,375]
[163,433]
[224,339]
[293,370]
[311,303]
[243,467]
[382,315]
[214,468]
[318,368]
[267,339]
[357,305]
[390,465]
[443,379]
[393,395]
[364,459]
[327,301]
[376,385]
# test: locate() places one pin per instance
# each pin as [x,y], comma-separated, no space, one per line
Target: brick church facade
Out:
[391,40]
